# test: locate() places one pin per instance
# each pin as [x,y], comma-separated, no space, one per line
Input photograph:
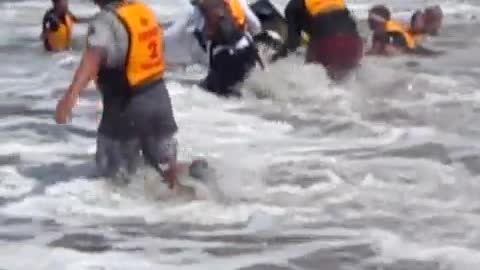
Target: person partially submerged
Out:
[391,37]
[226,29]
[125,53]
[432,19]
[57,26]
[333,40]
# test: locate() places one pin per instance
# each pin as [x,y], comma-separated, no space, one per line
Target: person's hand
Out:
[62,113]
[64,109]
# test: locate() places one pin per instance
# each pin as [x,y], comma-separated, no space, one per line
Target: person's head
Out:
[210,7]
[214,11]
[102,3]
[377,16]
[60,6]
[433,19]
[417,22]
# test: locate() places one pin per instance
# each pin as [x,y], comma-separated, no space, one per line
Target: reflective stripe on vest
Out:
[237,12]
[60,40]
[145,59]
[397,27]
[316,7]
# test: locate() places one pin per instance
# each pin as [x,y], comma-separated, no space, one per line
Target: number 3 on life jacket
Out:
[145,60]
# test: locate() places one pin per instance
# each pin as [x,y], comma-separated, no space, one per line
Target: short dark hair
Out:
[104,2]
[382,11]
[433,10]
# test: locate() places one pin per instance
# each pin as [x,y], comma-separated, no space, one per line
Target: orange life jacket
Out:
[316,7]
[237,12]
[393,26]
[225,20]
[60,39]
[145,59]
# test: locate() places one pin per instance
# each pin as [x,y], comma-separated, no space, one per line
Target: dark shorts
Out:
[339,53]
[228,69]
[148,112]
[142,124]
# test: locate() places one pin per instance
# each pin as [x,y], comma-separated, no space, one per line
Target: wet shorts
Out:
[117,158]
[142,125]
[339,53]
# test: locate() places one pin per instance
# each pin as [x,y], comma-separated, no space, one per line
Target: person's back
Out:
[326,18]
[125,51]
[334,41]
[57,27]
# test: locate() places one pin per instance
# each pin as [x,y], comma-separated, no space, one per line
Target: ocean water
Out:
[380,173]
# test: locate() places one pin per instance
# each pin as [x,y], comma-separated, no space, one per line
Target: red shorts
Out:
[339,54]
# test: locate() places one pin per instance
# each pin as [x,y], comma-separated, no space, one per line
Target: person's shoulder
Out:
[102,19]
[101,28]
[107,16]
[101,15]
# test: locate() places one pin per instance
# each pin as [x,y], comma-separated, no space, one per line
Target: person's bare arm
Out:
[378,44]
[376,49]
[87,70]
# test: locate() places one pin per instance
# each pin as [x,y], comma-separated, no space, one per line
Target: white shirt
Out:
[182,47]
[195,18]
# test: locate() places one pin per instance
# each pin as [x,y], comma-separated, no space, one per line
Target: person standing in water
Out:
[334,40]
[57,26]
[125,52]
[226,29]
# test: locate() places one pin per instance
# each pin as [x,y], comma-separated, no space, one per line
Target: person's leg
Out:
[116,159]
[347,53]
[161,154]
[130,154]
[339,54]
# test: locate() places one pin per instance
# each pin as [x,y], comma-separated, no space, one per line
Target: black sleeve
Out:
[50,22]
[295,13]
[201,39]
